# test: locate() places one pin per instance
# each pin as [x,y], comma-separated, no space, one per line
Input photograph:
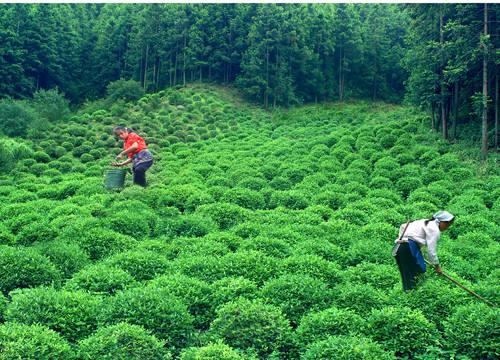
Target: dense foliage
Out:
[260,236]
[277,54]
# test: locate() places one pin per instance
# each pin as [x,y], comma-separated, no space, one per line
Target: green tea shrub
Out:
[141,264]
[352,215]
[154,308]
[382,276]
[128,90]
[30,342]
[380,182]
[230,240]
[312,265]
[401,330]
[192,225]
[271,247]
[346,348]
[317,326]
[38,169]
[291,199]
[472,223]
[6,237]
[100,279]
[15,117]
[252,325]
[68,257]
[37,231]
[194,293]
[225,215]
[347,296]
[445,299]
[41,157]
[472,330]
[203,267]
[96,241]
[25,267]
[122,341]
[405,185]
[212,351]
[196,246]
[72,314]
[245,198]
[320,247]
[296,295]
[253,183]
[253,265]
[333,199]
[132,223]
[230,288]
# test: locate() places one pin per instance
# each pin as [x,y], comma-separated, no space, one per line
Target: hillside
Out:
[261,235]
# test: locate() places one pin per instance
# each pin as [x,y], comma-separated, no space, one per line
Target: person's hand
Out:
[119,156]
[438,269]
[116,164]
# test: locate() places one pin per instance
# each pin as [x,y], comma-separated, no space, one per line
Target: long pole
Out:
[463,287]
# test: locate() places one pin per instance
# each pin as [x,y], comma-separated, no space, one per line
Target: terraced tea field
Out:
[261,235]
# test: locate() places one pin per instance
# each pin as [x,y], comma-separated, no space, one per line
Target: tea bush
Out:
[245,325]
[122,341]
[317,326]
[154,308]
[67,257]
[100,279]
[72,314]
[18,341]
[195,293]
[296,295]
[272,209]
[25,267]
[403,331]
[473,330]
[217,350]
[141,264]
[346,348]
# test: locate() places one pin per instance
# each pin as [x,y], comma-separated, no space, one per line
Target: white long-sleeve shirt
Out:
[425,235]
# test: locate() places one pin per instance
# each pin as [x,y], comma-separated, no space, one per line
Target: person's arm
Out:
[132,148]
[126,162]
[432,237]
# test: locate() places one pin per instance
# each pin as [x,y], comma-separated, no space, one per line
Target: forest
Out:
[290,143]
[440,57]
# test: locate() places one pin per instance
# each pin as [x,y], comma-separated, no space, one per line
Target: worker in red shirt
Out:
[138,154]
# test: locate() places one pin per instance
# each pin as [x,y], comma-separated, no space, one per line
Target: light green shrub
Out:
[72,314]
[154,308]
[24,267]
[141,264]
[401,330]
[296,295]
[122,341]
[30,342]
[252,325]
[194,293]
[212,351]
[347,348]
[100,279]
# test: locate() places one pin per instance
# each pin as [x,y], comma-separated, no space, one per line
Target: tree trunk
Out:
[484,147]
[146,67]
[184,63]
[266,94]
[496,109]
[443,107]
[455,110]
[433,119]
[175,67]
[340,72]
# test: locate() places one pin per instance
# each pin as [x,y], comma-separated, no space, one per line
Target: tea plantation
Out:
[260,236]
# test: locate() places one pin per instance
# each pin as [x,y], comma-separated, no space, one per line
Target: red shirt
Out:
[131,139]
